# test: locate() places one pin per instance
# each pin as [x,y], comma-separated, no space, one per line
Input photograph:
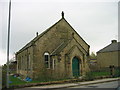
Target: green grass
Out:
[89,76]
[96,74]
[92,75]
[16,81]
[107,73]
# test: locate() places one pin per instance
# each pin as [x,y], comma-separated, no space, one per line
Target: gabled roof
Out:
[76,32]
[36,38]
[39,36]
[111,47]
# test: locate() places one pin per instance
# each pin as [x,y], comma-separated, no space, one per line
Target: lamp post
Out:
[8,41]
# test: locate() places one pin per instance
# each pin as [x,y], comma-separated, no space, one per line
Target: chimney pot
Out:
[36,33]
[114,41]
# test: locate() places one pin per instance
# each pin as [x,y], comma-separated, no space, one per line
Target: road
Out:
[113,84]
[106,85]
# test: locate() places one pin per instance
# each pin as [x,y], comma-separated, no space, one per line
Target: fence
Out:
[113,72]
[102,73]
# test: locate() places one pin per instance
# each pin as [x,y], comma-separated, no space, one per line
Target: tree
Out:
[93,56]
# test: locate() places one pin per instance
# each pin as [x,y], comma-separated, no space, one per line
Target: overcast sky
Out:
[95,21]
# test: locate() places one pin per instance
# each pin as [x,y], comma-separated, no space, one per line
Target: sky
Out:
[96,21]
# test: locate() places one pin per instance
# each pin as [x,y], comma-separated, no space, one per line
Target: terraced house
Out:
[58,52]
[109,55]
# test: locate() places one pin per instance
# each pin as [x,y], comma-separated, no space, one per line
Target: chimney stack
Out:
[114,41]
[36,33]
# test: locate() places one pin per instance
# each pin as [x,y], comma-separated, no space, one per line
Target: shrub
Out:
[117,72]
[89,76]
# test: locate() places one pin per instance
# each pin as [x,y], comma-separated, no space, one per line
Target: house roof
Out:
[111,47]
[36,38]
[60,47]
[39,36]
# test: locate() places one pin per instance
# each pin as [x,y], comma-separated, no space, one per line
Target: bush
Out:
[117,72]
[89,76]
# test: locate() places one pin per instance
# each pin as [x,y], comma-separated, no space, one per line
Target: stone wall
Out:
[48,42]
[108,58]
[25,62]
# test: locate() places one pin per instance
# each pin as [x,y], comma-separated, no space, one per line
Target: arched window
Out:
[47,59]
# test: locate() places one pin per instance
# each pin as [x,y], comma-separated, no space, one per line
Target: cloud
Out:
[3,57]
[95,22]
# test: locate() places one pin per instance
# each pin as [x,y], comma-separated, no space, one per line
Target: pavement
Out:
[66,85]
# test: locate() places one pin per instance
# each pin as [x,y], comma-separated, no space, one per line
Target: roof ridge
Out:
[104,47]
[110,47]
[40,35]
[76,32]
[47,30]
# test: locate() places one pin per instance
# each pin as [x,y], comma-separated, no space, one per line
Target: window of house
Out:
[47,60]
[54,63]
[51,62]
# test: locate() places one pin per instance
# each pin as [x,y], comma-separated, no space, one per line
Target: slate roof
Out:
[36,38]
[39,36]
[111,47]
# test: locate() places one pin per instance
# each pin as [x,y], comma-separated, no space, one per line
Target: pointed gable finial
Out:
[62,14]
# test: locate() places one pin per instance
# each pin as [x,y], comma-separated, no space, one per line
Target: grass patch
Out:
[16,81]
[92,75]
[96,74]
[89,76]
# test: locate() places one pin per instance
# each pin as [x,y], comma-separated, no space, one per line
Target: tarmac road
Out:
[107,85]
[99,86]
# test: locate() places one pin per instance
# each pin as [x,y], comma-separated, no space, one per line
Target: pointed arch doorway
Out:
[75,67]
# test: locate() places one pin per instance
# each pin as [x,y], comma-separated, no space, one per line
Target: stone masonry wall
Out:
[59,33]
[108,58]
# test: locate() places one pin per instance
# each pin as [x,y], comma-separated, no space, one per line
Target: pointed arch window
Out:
[47,59]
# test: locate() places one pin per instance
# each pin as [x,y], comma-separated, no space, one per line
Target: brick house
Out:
[58,52]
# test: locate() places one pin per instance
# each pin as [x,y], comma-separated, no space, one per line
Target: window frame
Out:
[47,62]
[53,63]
